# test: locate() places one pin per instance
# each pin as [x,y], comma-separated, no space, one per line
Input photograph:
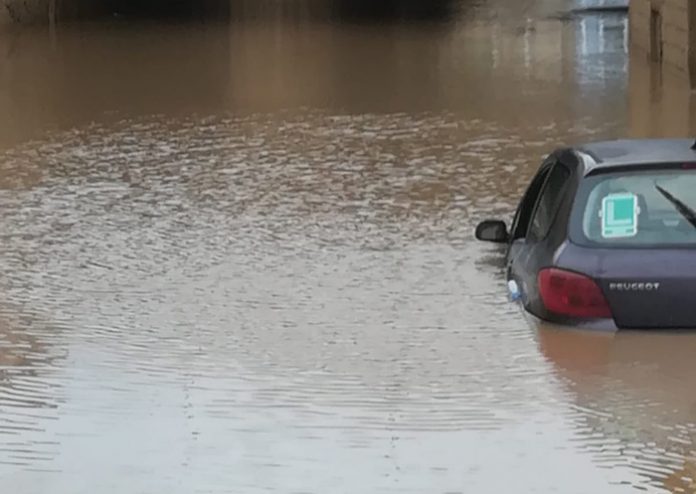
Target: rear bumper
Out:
[604,325]
[601,325]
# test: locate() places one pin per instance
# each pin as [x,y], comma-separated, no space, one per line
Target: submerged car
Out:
[605,236]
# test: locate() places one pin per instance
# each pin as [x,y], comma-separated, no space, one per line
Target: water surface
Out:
[239,258]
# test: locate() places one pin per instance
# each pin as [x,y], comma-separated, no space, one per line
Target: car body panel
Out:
[645,288]
[610,155]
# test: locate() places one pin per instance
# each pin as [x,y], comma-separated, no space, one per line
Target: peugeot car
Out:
[605,236]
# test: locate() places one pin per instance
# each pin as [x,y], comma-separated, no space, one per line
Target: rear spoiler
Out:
[603,170]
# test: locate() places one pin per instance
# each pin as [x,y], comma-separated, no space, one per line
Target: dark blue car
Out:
[605,236]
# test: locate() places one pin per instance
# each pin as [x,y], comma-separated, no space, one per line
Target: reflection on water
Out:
[95,71]
[633,397]
[343,10]
[238,258]
[600,38]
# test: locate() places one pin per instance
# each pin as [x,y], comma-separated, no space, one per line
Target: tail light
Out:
[571,294]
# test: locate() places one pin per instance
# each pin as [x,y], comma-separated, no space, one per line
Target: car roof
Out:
[626,152]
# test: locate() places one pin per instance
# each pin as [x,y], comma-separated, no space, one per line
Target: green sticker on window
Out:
[620,216]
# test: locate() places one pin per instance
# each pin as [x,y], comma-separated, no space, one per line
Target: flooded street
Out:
[239,258]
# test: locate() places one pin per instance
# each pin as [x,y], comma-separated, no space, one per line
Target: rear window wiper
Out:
[683,209]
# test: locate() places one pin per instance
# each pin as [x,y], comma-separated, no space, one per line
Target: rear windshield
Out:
[643,208]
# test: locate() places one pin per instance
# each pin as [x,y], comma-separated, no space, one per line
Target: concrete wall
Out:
[660,103]
[669,39]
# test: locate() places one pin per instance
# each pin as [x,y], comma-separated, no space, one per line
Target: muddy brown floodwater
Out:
[238,258]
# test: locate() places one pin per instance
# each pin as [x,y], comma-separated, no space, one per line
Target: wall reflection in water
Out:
[539,68]
[597,37]
[92,72]
[353,10]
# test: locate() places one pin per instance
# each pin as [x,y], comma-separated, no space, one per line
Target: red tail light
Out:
[572,294]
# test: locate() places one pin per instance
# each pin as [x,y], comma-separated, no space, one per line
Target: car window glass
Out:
[548,203]
[524,212]
[657,220]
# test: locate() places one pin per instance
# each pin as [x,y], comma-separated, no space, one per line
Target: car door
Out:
[523,216]
[529,249]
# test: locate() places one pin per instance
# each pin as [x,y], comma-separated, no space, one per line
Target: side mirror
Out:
[492,231]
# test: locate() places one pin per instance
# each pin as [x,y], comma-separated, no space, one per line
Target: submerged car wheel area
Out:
[605,236]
